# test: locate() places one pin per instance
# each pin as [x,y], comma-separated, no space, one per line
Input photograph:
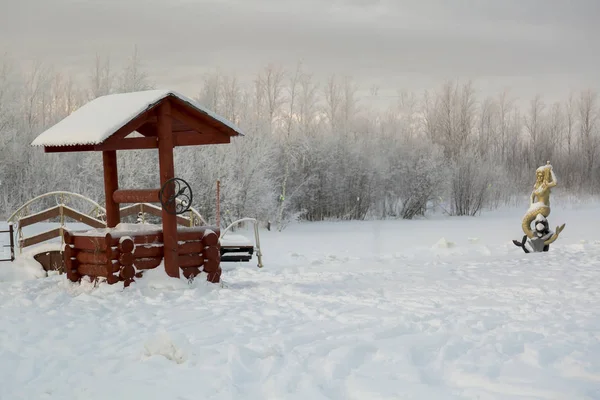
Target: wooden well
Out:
[163,120]
[121,256]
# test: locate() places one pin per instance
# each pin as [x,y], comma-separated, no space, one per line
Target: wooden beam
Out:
[86,219]
[42,237]
[136,196]
[111,185]
[193,138]
[148,129]
[195,123]
[187,111]
[135,143]
[69,149]
[131,126]
[39,217]
[167,171]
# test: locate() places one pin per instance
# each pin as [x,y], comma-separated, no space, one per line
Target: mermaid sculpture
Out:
[541,236]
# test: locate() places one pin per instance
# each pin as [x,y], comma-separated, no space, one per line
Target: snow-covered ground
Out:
[445,308]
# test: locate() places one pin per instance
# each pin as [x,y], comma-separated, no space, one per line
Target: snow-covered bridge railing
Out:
[54,205]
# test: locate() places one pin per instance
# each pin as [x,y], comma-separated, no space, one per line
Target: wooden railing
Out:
[95,218]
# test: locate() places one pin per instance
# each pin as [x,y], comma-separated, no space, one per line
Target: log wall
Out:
[123,258]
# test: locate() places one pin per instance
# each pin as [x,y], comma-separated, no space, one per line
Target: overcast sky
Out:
[532,46]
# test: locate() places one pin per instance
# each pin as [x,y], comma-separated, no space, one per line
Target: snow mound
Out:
[164,345]
[443,244]
[25,267]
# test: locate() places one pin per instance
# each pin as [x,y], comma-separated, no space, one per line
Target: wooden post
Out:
[218,203]
[111,184]
[167,171]
[12,242]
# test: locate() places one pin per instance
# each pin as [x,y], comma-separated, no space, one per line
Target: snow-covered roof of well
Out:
[97,120]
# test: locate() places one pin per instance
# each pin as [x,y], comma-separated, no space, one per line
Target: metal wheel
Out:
[176,196]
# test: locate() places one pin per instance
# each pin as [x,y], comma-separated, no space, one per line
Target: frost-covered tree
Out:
[313,150]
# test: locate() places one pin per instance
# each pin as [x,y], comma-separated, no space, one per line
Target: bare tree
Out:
[450,117]
[486,127]
[333,98]
[271,84]
[133,77]
[588,120]
[101,79]
[349,104]
[210,93]
[534,128]
[231,98]
[290,117]
[569,123]
[307,104]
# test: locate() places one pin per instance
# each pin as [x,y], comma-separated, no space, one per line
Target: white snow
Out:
[231,239]
[444,244]
[95,121]
[345,310]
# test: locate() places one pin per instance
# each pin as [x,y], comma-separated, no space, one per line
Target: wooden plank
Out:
[93,270]
[190,260]
[93,243]
[69,149]
[134,143]
[76,215]
[191,247]
[193,138]
[88,257]
[144,252]
[147,263]
[136,196]
[39,217]
[42,237]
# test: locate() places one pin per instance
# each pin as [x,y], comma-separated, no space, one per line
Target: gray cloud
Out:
[546,46]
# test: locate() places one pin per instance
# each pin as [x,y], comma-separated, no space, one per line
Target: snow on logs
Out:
[122,258]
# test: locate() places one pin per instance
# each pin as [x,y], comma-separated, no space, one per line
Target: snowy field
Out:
[446,308]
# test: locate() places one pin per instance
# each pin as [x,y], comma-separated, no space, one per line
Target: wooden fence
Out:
[11,244]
